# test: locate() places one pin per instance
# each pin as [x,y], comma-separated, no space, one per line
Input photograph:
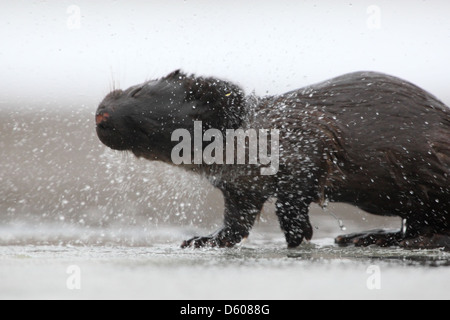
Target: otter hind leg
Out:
[379,237]
[415,234]
[431,241]
[428,231]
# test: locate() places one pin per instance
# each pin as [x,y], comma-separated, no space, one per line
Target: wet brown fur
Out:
[367,139]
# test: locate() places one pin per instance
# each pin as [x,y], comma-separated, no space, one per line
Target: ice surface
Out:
[258,269]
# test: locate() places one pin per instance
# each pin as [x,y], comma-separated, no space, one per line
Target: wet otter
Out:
[365,138]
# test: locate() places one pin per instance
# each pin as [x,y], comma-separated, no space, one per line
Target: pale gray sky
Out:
[47,54]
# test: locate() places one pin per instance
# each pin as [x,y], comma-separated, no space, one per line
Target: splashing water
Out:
[54,170]
[325,209]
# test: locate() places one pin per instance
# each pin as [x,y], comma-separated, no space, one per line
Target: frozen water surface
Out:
[260,268]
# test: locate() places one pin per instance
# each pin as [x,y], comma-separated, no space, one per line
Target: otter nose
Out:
[101,117]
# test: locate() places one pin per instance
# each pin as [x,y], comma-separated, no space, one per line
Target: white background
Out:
[267,46]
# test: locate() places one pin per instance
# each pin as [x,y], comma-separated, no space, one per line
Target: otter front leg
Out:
[294,220]
[241,210]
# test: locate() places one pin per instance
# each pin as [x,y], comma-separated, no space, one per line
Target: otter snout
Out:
[109,128]
[101,117]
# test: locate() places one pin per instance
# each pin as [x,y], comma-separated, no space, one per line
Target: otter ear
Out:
[175,75]
[220,104]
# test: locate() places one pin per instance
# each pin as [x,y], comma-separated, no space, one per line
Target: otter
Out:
[367,139]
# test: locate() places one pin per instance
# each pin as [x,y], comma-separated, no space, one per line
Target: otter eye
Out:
[135,92]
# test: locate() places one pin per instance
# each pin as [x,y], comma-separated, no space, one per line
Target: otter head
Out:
[141,119]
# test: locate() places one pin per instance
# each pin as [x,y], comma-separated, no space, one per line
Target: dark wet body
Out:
[368,139]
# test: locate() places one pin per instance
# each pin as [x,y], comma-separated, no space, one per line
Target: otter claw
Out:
[210,241]
[199,242]
[222,238]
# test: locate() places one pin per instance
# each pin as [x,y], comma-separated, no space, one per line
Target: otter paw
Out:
[196,242]
[380,237]
[294,240]
[296,234]
[435,241]
[200,242]
[221,239]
